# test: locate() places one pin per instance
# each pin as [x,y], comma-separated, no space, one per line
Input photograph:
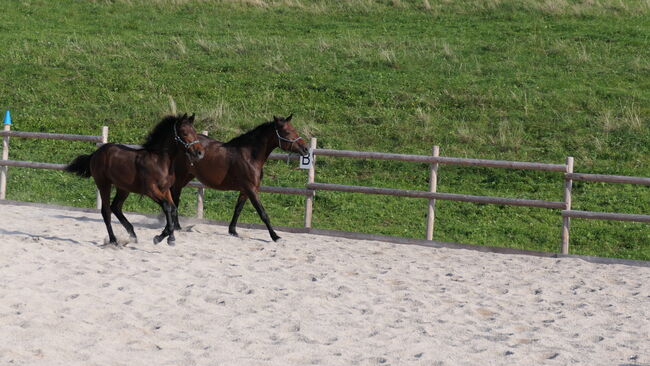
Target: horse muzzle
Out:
[195,153]
[302,150]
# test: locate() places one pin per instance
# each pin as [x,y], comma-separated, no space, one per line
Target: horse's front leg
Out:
[260,211]
[183,177]
[176,196]
[167,205]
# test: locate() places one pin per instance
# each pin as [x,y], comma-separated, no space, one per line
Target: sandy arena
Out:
[65,299]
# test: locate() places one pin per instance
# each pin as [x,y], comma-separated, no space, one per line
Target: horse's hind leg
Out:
[232,228]
[116,207]
[105,193]
[260,211]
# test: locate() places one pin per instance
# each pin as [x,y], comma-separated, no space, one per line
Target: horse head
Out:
[288,138]
[185,134]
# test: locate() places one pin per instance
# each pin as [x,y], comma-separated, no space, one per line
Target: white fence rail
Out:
[431,195]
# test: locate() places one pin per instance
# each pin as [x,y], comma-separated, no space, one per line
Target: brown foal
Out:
[237,165]
[147,171]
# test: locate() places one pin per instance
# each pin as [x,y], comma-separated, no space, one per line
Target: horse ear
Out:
[184,116]
[192,118]
[289,118]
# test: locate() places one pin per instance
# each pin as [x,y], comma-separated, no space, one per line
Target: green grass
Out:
[510,80]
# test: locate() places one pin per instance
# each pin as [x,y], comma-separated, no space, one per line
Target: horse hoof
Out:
[276,238]
[110,241]
[171,243]
[233,233]
[157,239]
[134,239]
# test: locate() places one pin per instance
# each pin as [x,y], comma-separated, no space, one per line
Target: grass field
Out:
[512,80]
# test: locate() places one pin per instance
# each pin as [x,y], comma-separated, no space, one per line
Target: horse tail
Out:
[80,166]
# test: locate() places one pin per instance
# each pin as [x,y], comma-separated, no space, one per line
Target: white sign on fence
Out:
[307,161]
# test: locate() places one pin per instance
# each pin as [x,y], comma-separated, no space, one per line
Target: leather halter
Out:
[286,139]
[185,144]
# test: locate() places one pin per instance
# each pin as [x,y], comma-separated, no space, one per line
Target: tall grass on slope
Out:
[496,80]
[545,7]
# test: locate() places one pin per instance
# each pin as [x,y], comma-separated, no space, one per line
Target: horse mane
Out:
[252,137]
[158,139]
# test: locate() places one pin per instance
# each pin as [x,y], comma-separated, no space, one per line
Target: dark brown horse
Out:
[147,171]
[237,165]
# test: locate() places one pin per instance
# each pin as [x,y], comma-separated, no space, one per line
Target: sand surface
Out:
[308,300]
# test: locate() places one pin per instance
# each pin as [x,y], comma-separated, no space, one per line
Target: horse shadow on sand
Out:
[156,223]
[147,225]
[37,237]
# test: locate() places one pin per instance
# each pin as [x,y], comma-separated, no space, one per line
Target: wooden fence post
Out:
[309,200]
[200,196]
[566,221]
[433,186]
[5,156]
[104,141]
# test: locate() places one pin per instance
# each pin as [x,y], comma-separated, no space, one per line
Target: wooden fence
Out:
[434,160]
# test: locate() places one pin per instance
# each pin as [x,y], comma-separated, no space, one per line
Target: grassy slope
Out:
[530,83]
